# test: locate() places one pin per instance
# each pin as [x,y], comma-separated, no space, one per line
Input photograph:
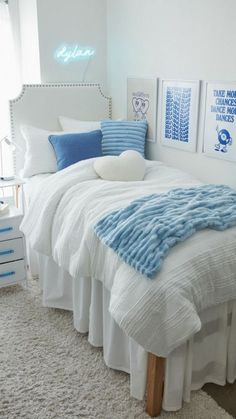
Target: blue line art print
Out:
[140,104]
[224,140]
[178,102]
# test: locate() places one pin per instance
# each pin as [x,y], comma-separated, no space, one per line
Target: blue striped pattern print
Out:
[119,136]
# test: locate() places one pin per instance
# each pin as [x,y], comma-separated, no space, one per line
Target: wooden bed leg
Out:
[155,382]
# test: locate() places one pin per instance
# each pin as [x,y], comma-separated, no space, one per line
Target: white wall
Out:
[30,60]
[72,21]
[46,24]
[173,39]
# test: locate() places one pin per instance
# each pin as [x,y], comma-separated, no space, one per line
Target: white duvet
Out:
[159,314]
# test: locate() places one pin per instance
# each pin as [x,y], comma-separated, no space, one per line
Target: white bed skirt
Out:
[210,356]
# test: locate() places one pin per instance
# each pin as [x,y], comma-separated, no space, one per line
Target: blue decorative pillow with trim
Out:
[119,136]
[72,148]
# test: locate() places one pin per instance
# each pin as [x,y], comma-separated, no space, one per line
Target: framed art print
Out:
[179,114]
[220,120]
[142,103]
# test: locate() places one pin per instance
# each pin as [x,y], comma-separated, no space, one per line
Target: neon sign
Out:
[67,53]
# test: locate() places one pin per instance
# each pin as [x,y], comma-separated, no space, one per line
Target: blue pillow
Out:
[118,136]
[71,148]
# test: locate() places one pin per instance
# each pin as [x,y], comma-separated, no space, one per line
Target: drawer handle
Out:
[5,229]
[6,252]
[10,273]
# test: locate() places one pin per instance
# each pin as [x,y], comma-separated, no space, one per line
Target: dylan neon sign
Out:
[67,53]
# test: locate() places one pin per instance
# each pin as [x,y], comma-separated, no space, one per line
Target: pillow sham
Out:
[72,148]
[39,156]
[75,125]
[119,136]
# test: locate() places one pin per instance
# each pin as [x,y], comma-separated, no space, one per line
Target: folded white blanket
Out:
[159,314]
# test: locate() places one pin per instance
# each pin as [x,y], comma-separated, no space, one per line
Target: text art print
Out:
[220,121]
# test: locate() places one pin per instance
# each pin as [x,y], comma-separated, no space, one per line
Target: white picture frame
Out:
[219,137]
[179,114]
[142,102]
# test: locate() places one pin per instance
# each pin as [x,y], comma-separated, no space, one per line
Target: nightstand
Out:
[12,249]
[15,184]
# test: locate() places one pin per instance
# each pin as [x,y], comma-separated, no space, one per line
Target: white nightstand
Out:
[12,249]
[15,184]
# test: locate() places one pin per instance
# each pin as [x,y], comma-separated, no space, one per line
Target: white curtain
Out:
[9,83]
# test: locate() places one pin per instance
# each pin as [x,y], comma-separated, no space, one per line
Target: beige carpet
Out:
[48,370]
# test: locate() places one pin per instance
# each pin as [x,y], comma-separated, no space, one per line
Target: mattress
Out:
[161,314]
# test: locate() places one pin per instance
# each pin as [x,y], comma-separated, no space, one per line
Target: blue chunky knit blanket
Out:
[143,232]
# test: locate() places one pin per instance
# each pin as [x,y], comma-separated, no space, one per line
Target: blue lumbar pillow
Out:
[119,136]
[72,148]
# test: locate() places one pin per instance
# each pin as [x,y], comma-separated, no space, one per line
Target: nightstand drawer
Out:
[11,250]
[12,272]
[9,228]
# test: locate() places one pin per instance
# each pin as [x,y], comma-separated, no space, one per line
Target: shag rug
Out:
[48,370]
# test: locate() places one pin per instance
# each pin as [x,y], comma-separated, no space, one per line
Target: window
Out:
[9,86]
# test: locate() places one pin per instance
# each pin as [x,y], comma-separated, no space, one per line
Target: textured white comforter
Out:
[159,314]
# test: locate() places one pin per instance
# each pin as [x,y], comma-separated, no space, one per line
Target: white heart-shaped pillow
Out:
[128,166]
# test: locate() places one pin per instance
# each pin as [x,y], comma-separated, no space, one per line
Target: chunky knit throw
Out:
[143,232]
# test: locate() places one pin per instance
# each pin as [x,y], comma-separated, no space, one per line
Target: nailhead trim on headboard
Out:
[52,85]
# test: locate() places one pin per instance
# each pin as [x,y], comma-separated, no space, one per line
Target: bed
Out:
[98,297]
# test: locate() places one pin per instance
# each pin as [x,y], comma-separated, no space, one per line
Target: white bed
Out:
[197,360]
[187,367]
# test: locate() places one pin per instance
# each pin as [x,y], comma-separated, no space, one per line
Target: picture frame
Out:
[219,138]
[142,102]
[179,114]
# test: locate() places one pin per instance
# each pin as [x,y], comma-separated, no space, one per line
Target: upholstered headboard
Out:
[41,104]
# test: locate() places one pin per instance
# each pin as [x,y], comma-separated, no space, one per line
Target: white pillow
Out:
[128,166]
[74,125]
[39,156]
